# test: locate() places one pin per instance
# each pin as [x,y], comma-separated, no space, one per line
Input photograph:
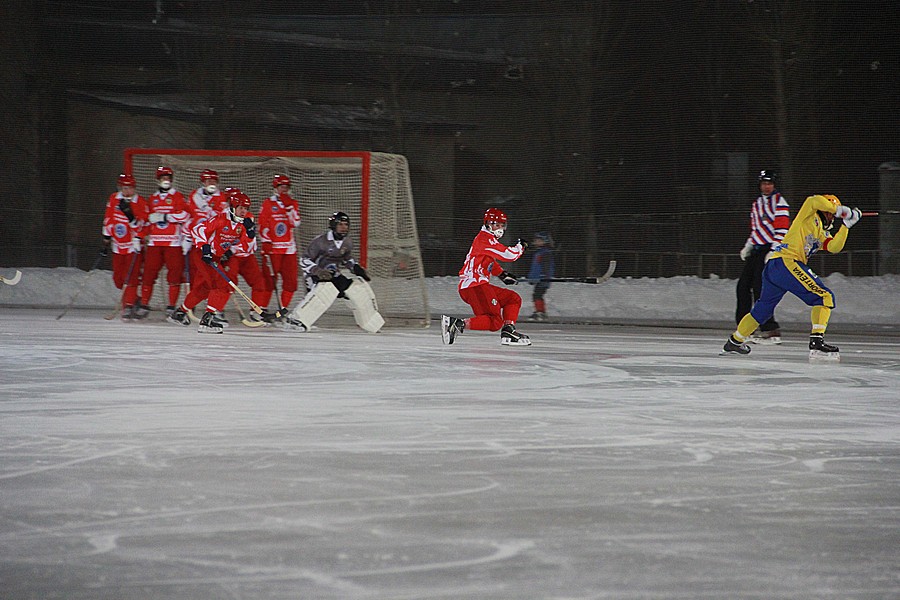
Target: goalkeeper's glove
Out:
[508,278]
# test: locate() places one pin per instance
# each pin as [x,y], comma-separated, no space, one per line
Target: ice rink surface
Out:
[146,461]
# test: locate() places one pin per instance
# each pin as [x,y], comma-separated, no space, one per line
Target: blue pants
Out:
[783,275]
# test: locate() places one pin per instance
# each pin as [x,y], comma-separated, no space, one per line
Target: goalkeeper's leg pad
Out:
[315,304]
[365,307]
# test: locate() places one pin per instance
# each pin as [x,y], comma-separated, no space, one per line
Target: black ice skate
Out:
[140,311]
[179,317]
[450,328]
[819,351]
[219,317]
[208,324]
[732,346]
[128,313]
[510,337]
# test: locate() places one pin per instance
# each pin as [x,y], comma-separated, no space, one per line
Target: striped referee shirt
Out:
[769,219]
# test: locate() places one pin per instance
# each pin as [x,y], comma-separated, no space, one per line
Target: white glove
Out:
[843,212]
[745,251]
[135,244]
[157,217]
[853,219]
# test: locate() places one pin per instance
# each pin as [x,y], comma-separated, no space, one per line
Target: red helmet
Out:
[238,198]
[163,171]
[125,179]
[281,180]
[494,215]
[208,174]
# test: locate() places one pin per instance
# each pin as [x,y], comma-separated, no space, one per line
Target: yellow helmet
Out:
[833,199]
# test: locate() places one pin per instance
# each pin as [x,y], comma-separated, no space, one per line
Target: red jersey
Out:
[202,206]
[481,262]
[278,218]
[172,204]
[223,234]
[117,226]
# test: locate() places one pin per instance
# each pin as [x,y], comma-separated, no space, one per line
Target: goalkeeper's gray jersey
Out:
[325,253]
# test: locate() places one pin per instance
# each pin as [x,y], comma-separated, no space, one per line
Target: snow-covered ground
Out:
[860,300]
[146,461]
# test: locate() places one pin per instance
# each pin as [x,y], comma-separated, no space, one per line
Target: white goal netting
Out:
[380,205]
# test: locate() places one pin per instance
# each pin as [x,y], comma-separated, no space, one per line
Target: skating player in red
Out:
[495,308]
[219,240]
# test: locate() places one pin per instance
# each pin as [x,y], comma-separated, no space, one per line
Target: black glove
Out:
[523,243]
[125,207]
[358,270]
[508,278]
[228,254]
[207,254]
[250,227]
[104,249]
[341,283]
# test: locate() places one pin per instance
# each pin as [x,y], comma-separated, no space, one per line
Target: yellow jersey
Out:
[807,234]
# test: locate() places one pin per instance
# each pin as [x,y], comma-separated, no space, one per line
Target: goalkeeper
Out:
[322,264]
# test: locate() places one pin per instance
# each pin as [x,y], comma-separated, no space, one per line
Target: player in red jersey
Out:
[494,307]
[278,217]
[165,212]
[122,233]
[224,238]
[203,203]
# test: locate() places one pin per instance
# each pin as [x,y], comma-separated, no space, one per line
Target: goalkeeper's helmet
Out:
[127,180]
[334,220]
[767,175]
[281,180]
[495,221]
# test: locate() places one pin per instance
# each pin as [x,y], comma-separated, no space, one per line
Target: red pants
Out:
[154,258]
[493,306]
[286,266]
[245,266]
[127,273]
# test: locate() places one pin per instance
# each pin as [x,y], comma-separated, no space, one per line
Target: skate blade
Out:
[817,356]
[522,342]
[296,327]
[210,330]
[766,341]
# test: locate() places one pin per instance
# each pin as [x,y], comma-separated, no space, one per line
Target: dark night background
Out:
[632,130]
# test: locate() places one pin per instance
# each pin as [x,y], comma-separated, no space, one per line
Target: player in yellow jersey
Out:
[787,271]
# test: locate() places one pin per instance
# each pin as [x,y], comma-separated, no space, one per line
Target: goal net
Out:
[372,187]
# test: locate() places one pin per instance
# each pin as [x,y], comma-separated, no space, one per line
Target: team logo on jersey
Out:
[120,230]
[493,301]
[280,229]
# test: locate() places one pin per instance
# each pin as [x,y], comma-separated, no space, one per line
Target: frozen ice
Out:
[147,461]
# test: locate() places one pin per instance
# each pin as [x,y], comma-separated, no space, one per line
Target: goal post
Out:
[373,188]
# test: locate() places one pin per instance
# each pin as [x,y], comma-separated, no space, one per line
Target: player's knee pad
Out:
[365,307]
[317,301]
